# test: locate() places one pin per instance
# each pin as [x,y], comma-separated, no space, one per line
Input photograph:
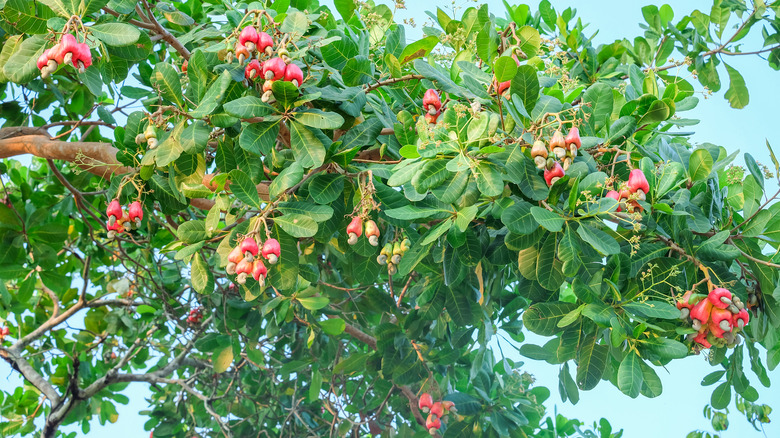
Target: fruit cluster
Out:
[244,261]
[4,332]
[717,317]
[66,51]
[195,316]
[437,412]
[149,136]
[391,254]
[252,42]
[564,149]
[355,230]
[431,105]
[630,193]
[120,221]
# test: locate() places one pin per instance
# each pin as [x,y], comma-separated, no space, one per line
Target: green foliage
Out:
[473,243]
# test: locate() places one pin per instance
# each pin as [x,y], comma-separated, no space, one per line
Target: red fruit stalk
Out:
[259,272]
[741,319]
[114,212]
[234,258]
[433,424]
[616,196]
[437,409]
[701,338]
[265,43]
[249,38]
[244,269]
[720,322]
[573,138]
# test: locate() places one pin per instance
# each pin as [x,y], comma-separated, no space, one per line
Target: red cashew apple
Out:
[431,99]
[249,38]
[265,43]
[249,248]
[242,53]
[700,313]
[354,230]
[637,181]
[115,228]
[539,154]
[372,233]
[425,402]
[616,196]
[502,86]
[437,409]
[720,321]
[274,68]
[573,137]
[431,118]
[293,74]
[741,319]
[68,49]
[253,69]
[243,269]
[448,406]
[558,144]
[259,272]
[701,338]
[272,251]
[136,212]
[114,212]
[234,258]
[82,58]
[433,424]
[720,298]
[554,174]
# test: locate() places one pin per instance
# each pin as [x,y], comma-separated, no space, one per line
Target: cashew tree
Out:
[288,219]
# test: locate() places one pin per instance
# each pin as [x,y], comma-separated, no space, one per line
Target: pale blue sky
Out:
[679,409]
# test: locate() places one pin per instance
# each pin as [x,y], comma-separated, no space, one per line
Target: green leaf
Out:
[752,166]
[521,170]
[518,218]
[259,138]
[458,306]
[526,85]
[21,66]
[295,22]
[326,188]
[543,318]
[505,68]
[591,362]
[357,71]
[116,34]
[597,105]
[192,231]
[247,107]
[314,303]
[333,327]
[654,309]
[530,41]
[547,219]
[286,179]
[433,173]
[213,97]
[599,240]
[286,93]
[319,119]
[165,79]
[418,49]
[244,189]
[700,165]
[307,147]
[297,225]
[363,134]
[201,278]
[223,359]
[489,180]
[737,94]
[629,377]
[721,397]
[622,129]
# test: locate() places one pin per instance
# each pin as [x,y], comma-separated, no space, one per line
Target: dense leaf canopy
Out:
[416,231]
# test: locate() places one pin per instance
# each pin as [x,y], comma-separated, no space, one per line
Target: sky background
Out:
[679,409]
